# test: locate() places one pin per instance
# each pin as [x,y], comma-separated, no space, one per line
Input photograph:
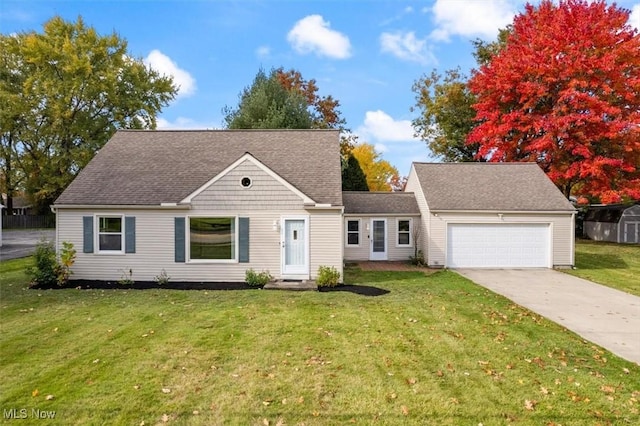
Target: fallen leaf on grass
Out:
[412,381]
[35,393]
[544,390]
[166,390]
[49,397]
[405,410]
[530,405]
[165,418]
[607,389]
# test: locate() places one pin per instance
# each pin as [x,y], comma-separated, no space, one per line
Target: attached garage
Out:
[491,215]
[502,245]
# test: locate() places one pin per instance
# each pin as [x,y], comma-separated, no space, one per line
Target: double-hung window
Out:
[404,232]
[353,232]
[212,238]
[110,235]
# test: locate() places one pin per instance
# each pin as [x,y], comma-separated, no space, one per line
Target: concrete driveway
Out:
[22,242]
[607,317]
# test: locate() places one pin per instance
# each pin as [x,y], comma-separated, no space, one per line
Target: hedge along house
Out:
[206,205]
[618,223]
[380,225]
[492,215]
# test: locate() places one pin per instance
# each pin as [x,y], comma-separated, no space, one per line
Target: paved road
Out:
[22,243]
[607,317]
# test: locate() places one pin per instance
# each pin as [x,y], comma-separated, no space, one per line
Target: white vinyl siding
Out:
[363,251]
[413,185]
[325,235]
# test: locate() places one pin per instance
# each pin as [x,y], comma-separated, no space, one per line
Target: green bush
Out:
[256,279]
[328,276]
[67,259]
[48,271]
[44,273]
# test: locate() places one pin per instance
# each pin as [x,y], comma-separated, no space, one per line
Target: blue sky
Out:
[365,53]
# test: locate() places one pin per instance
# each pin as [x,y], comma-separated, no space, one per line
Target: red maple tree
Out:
[565,92]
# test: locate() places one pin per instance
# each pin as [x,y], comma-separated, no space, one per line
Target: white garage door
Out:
[500,245]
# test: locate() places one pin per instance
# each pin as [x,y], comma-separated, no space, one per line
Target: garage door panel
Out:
[498,245]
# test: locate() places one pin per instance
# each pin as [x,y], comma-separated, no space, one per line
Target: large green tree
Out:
[444,104]
[283,99]
[353,178]
[64,92]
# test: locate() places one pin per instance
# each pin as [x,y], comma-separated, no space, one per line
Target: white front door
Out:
[295,248]
[378,240]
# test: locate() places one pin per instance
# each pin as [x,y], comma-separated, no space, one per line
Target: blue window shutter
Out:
[87,234]
[129,234]
[179,239]
[243,238]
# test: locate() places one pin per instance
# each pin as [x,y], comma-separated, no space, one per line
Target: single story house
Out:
[208,205]
[618,223]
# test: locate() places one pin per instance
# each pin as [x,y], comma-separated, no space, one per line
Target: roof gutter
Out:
[162,206]
[433,211]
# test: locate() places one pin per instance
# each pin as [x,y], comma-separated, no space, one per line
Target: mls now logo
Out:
[23,413]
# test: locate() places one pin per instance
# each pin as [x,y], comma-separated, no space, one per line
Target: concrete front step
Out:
[306,285]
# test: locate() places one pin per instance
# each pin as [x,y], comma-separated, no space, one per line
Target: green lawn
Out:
[435,350]
[614,265]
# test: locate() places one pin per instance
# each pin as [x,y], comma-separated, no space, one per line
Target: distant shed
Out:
[618,223]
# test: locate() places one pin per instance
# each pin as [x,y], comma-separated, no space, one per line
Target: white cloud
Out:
[379,126]
[407,47]
[313,34]
[263,51]
[166,66]
[471,18]
[634,19]
[183,123]
[381,148]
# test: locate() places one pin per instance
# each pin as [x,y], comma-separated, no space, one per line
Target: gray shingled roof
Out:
[380,203]
[144,167]
[489,186]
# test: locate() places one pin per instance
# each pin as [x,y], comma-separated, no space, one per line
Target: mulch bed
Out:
[362,290]
[146,285]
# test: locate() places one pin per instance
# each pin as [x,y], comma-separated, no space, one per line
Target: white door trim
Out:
[378,255]
[296,272]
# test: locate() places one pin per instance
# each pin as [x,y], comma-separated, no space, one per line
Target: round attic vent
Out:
[245,182]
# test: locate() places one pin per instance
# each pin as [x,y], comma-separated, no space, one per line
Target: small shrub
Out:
[418,259]
[67,259]
[328,276]
[256,279]
[127,277]
[44,273]
[162,278]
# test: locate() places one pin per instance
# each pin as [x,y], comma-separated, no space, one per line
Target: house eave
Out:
[433,211]
[162,206]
